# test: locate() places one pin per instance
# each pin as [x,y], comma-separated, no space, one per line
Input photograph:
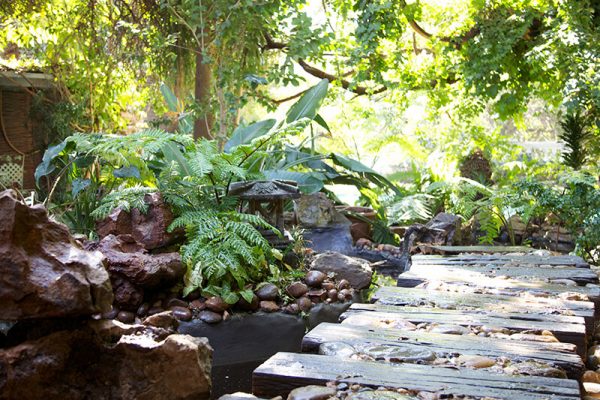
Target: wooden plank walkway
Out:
[482,302]
[394,343]
[479,324]
[286,371]
[565,328]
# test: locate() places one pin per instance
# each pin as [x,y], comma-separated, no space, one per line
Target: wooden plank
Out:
[559,355]
[498,285]
[581,276]
[483,302]
[528,260]
[478,249]
[568,329]
[286,371]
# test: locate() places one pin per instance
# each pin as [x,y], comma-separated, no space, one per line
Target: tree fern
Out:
[575,135]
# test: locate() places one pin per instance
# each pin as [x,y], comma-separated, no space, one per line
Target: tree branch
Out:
[360,90]
[458,41]
[272,44]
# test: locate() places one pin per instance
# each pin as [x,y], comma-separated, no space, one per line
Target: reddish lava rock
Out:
[149,229]
[44,273]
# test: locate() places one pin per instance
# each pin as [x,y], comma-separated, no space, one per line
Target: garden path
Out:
[498,325]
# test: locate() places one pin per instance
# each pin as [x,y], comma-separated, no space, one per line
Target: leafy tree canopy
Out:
[465,54]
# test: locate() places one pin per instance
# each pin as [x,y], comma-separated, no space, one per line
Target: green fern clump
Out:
[575,201]
[223,248]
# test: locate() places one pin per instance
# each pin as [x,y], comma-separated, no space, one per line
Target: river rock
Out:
[312,392]
[249,306]
[449,329]
[591,376]
[474,361]
[216,304]
[304,304]
[149,229]
[337,349]
[268,292]
[142,310]
[355,270]
[210,317]
[534,368]
[314,278]
[43,271]
[297,289]
[127,317]
[399,353]
[59,366]
[177,302]
[292,309]
[181,313]
[382,395]
[197,304]
[129,259]
[268,306]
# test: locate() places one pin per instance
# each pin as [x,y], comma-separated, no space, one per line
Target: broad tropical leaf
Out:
[308,105]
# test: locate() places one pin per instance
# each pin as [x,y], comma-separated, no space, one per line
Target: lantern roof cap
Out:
[265,190]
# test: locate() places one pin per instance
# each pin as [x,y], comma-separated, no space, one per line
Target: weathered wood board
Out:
[286,371]
[560,355]
[484,302]
[478,249]
[441,271]
[498,285]
[568,329]
[527,260]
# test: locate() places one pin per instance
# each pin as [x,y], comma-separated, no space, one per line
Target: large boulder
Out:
[43,271]
[355,270]
[317,211]
[443,229]
[128,258]
[108,360]
[149,229]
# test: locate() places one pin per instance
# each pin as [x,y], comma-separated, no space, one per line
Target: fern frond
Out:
[126,199]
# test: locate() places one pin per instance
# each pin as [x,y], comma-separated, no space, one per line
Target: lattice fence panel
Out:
[11,170]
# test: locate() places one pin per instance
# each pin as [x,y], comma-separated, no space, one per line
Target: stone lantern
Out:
[267,198]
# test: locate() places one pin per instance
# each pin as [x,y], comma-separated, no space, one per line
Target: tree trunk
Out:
[203,124]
